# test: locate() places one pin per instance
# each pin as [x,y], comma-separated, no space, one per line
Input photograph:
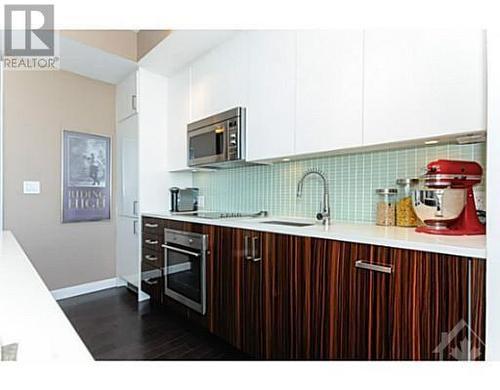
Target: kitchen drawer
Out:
[153,258]
[152,226]
[152,282]
[152,242]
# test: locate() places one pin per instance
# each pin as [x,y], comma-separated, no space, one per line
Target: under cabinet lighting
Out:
[286,159]
[432,142]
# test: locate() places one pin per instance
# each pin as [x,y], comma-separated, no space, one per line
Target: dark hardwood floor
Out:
[114,326]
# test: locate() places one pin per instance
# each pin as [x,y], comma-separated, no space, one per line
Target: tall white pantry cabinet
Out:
[127,195]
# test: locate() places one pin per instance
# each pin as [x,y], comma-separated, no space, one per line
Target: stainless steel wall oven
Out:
[185,268]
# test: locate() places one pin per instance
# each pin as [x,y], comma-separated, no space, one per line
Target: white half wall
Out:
[493,191]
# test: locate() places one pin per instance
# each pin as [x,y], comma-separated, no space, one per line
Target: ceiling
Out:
[92,62]
[174,52]
[182,47]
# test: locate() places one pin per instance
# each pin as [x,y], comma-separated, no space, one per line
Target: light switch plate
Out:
[31,187]
[201,201]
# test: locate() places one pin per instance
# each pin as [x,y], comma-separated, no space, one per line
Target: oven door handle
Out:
[186,252]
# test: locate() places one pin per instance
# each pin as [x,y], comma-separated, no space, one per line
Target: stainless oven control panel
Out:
[191,240]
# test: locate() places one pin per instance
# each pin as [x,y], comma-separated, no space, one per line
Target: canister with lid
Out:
[405,216]
[386,207]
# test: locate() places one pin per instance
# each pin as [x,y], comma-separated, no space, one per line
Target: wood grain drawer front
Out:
[152,242]
[152,257]
[152,226]
[152,282]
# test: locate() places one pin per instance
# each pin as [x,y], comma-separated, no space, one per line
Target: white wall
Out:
[154,179]
[493,188]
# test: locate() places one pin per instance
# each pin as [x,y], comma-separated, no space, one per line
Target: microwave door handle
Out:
[226,142]
[184,251]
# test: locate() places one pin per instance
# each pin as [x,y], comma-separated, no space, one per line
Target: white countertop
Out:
[29,315]
[395,237]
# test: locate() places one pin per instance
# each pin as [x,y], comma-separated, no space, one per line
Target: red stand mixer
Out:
[446,204]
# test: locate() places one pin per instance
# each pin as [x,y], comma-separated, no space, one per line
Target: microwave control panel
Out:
[233,139]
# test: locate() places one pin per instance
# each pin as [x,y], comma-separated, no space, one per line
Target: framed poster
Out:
[86,177]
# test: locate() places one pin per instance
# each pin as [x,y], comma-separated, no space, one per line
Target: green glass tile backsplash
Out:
[353,179]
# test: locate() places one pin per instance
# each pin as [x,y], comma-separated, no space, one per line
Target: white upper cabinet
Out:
[329,90]
[421,84]
[219,79]
[178,117]
[271,94]
[126,97]
[319,91]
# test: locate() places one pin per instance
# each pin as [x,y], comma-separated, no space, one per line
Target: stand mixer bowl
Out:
[438,208]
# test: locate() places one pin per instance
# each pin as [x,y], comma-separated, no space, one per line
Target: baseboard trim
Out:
[86,288]
[143,296]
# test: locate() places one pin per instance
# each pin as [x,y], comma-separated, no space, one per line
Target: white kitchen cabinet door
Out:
[271,94]
[423,83]
[128,166]
[329,90]
[219,79]
[127,249]
[178,118]
[126,97]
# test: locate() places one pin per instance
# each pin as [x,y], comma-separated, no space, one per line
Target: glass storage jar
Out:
[405,216]
[386,208]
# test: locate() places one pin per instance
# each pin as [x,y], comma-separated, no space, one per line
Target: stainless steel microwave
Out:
[217,141]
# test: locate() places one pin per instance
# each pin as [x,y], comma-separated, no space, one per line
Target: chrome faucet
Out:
[324,213]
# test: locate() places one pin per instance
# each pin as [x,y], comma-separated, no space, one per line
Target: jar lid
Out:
[387,191]
[408,181]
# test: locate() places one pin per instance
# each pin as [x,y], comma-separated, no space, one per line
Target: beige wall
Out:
[148,39]
[125,43]
[119,42]
[38,106]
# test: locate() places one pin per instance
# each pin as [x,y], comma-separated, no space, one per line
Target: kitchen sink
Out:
[288,223]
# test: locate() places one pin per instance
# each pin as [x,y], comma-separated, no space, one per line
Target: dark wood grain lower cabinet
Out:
[319,303]
[477,320]
[365,315]
[223,287]
[310,298]
[420,311]
[235,292]
[429,299]
[152,282]
[285,266]
[316,306]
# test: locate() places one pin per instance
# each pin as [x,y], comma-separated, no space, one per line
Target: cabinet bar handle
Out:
[373,267]
[151,242]
[134,207]
[151,225]
[246,248]
[134,102]
[151,257]
[255,256]
[148,281]
[184,251]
